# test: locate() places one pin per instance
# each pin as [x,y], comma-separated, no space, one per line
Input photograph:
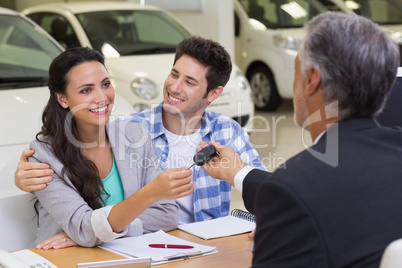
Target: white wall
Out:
[214,22]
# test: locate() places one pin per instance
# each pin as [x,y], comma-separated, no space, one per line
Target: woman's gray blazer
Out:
[61,208]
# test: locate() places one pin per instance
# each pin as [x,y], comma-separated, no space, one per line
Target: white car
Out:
[139,44]
[268,34]
[26,52]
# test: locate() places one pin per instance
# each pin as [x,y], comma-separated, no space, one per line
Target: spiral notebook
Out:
[238,222]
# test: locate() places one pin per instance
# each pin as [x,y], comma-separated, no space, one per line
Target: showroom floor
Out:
[276,139]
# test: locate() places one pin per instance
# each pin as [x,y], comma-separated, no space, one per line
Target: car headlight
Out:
[144,88]
[286,41]
[241,80]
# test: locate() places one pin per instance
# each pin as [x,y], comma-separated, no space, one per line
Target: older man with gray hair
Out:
[339,202]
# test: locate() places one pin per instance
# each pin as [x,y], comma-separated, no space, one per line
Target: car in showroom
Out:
[139,44]
[26,51]
[267,37]
[268,34]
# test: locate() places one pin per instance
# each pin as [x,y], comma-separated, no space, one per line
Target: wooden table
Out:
[234,251]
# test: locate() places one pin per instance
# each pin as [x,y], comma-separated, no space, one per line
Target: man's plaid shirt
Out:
[211,196]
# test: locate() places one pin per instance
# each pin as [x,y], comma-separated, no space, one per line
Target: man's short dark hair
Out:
[210,54]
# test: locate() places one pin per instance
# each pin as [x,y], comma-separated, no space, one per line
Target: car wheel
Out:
[263,89]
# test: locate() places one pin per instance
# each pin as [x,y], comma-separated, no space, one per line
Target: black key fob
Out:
[204,155]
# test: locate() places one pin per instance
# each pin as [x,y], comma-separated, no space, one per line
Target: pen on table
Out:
[169,246]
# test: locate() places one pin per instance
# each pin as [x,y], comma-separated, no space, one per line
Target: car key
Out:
[203,156]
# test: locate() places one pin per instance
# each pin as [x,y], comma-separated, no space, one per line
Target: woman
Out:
[100,190]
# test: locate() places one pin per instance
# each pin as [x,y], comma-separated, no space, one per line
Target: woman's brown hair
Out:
[81,171]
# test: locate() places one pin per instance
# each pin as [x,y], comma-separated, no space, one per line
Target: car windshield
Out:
[132,32]
[25,54]
[380,11]
[276,14]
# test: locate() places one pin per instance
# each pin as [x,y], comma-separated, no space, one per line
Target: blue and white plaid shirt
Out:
[211,196]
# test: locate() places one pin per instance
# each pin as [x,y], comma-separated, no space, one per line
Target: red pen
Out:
[169,246]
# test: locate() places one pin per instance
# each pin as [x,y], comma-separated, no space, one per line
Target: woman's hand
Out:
[61,240]
[173,183]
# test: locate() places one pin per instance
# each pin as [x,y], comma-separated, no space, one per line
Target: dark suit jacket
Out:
[315,213]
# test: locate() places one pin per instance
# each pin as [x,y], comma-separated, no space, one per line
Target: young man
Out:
[338,203]
[201,69]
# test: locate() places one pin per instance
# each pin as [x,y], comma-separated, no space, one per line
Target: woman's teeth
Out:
[99,109]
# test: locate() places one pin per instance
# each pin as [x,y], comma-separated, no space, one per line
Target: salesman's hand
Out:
[61,240]
[252,235]
[31,176]
[225,166]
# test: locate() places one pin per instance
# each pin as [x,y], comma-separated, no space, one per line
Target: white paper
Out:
[219,227]
[138,246]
